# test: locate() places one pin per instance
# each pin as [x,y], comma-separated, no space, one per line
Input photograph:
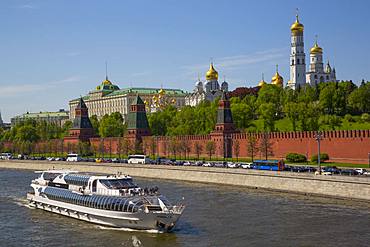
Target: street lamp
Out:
[318,138]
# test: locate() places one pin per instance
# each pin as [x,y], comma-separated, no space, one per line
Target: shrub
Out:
[365,117]
[296,158]
[323,157]
[349,118]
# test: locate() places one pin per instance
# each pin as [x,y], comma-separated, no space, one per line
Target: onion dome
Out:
[161,92]
[316,49]
[199,83]
[297,27]
[277,79]
[262,82]
[211,74]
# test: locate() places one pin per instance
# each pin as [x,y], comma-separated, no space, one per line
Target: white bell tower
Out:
[297,56]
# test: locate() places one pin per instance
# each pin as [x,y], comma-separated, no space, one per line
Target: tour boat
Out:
[113,200]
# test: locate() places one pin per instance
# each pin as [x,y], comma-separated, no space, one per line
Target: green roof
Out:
[44,114]
[142,90]
[139,90]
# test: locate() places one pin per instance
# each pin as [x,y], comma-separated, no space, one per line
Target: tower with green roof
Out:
[137,121]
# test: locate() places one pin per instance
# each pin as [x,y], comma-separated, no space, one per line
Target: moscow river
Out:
[215,216]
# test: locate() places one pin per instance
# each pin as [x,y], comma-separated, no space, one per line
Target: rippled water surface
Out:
[215,216]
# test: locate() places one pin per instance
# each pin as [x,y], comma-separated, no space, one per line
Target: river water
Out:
[215,216]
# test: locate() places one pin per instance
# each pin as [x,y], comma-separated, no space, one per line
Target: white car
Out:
[246,166]
[187,163]
[232,165]
[207,164]
[360,171]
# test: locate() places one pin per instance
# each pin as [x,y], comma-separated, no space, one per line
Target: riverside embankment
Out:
[356,188]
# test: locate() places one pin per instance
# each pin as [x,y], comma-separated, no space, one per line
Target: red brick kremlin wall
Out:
[352,146]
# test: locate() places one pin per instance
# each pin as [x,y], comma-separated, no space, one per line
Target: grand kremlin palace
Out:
[108,98]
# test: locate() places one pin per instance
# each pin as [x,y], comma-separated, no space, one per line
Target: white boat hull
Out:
[159,221]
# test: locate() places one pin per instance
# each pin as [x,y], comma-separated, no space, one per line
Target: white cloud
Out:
[238,61]
[21,89]
[27,6]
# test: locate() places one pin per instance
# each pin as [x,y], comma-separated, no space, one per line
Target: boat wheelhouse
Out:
[113,200]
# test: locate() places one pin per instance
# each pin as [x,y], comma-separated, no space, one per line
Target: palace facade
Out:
[107,98]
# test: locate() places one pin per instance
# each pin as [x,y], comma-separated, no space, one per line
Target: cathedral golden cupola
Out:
[316,49]
[277,79]
[297,27]
[262,82]
[212,74]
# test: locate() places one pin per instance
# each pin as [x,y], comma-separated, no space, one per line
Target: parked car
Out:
[207,164]
[349,172]
[73,157]
[232,165]
[219,165]
[5,156]
[246,166]
[186,163]
[360,171]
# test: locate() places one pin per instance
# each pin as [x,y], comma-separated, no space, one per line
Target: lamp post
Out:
[318,138]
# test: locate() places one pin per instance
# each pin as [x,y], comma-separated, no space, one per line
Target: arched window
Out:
[298,61]
[315,76]
[321,79]
[292,61]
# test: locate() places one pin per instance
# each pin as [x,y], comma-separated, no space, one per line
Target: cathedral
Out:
[209,91]
[316,73]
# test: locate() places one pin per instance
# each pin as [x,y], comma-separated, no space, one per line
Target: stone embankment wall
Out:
[357,188]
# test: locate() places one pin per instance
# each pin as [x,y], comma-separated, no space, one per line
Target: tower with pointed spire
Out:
[1,121]
[137,121]
[297,56]
[82,129]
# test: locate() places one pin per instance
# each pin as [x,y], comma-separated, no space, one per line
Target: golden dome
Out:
[316,49]
[211,74]
[297,27]
[262,83]
[161,92]
[277,79]
[106,81]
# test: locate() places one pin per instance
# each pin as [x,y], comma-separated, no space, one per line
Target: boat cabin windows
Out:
[94,186]
[117,184]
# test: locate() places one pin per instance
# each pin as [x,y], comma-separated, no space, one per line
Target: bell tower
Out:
[297,56]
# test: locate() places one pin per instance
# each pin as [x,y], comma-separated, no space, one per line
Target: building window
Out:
[298,61]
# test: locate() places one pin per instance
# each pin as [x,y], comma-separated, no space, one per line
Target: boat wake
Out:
[128,229]
[22,202]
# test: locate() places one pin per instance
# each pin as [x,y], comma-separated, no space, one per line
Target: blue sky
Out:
[53,51]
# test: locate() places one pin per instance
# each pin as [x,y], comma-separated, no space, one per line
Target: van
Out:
[5,156]
[137,159]
[73,158]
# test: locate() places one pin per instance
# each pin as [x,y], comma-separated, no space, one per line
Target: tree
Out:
[267,114]
[359,99]
[27,133]
[111,125]
[95,123]
[210,148]
[266,146]
[173,146]
[292,112]
[237,149]
[252,145]
[198,149]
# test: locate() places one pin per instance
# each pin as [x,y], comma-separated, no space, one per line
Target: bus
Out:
[270,165]
[137,159]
